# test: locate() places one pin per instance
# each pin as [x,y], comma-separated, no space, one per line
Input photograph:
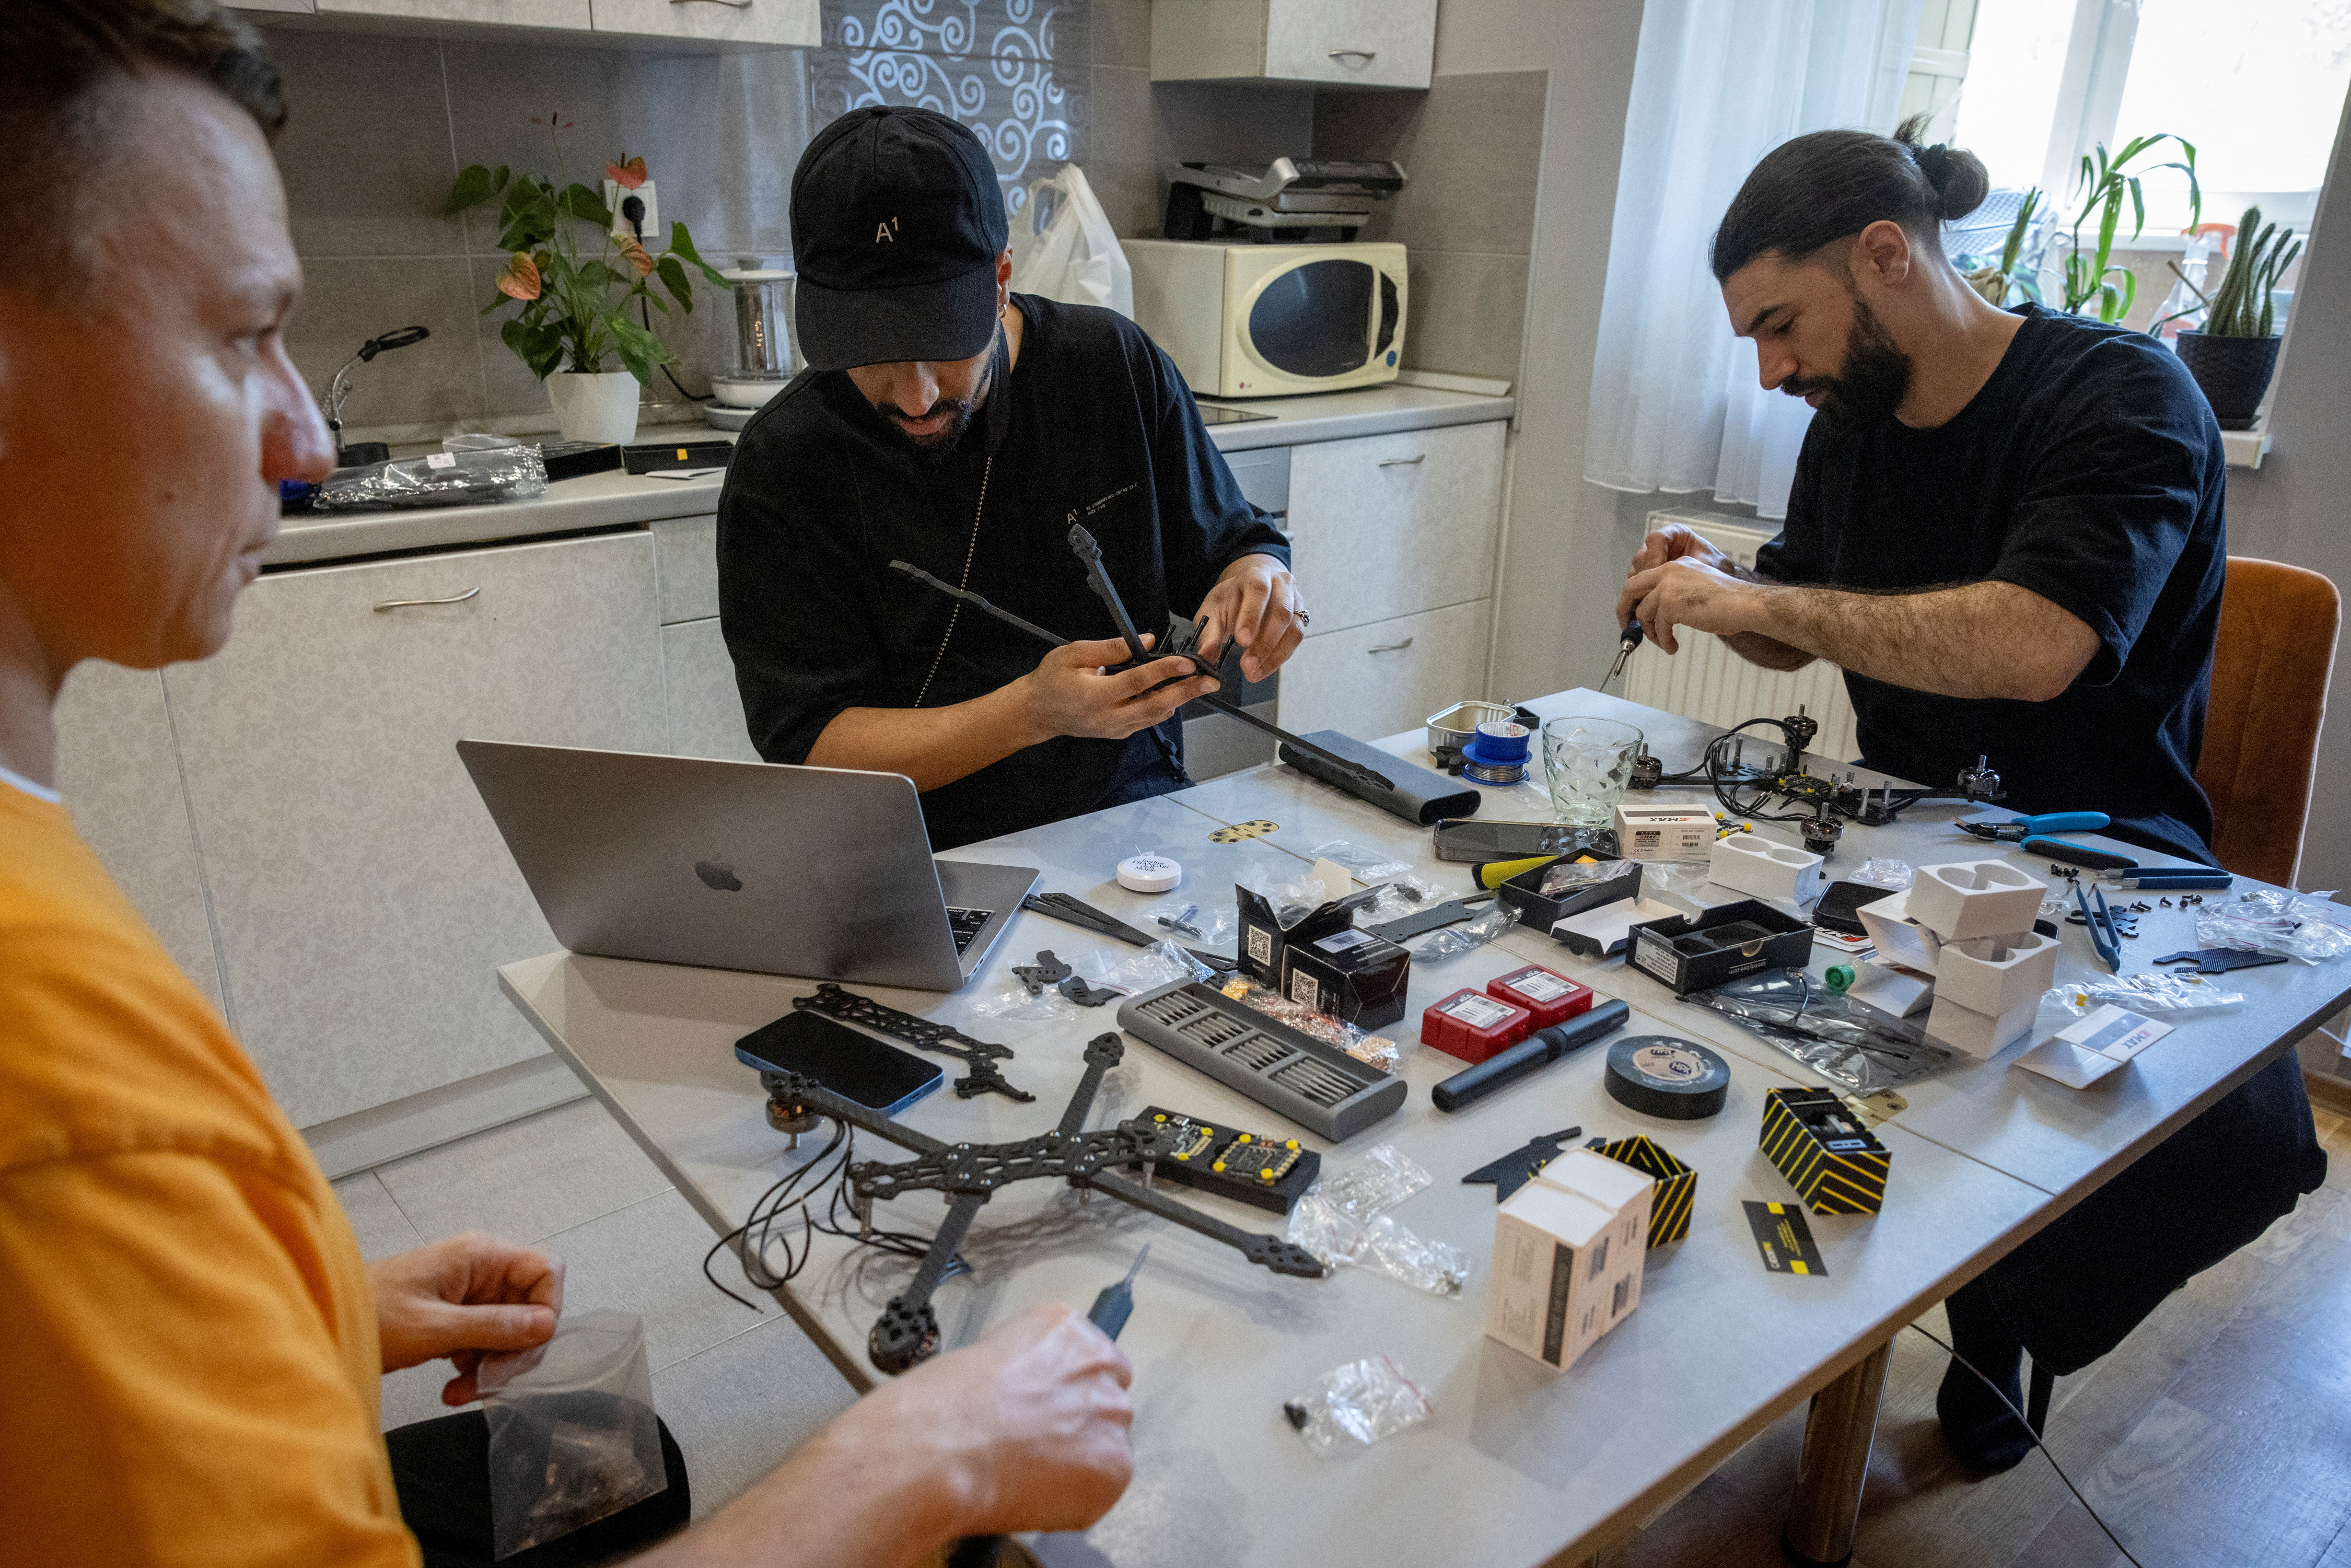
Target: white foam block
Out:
[1755,865]
[1603,932]
[1960,899]
[1898,939]
[1992,974]
[1893,990]
[1980,1035]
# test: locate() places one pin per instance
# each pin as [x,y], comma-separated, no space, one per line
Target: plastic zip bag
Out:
[572,1433]
[1835,1036]
[2155,992]
[2310,926]
[1880,872]
[469,478]
[1398,897]
[1361,1402]
[1372,1050]
[1190,920]
[1568,875]
[1161,964]
[1366,866]
[1456,940]
[1342,1220]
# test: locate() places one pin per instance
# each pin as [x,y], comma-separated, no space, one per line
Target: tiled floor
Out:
[741,1391]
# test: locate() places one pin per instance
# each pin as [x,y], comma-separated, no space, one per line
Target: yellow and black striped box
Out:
[1835,1164]
[1669,1215]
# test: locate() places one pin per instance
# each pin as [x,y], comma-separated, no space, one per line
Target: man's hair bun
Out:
[1959,177]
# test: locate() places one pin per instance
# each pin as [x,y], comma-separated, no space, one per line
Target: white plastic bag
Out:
[1064,248]
[572,1434]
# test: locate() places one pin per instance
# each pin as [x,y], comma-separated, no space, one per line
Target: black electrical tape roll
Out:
[1539,1048]
[1659,1075]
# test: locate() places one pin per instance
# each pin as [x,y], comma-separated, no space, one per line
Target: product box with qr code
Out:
[1690,953]
[1568,1251]
[1354,975]
[1264,940]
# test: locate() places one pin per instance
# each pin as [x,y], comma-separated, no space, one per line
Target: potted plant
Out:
[573,322]
[2090,276]
[2236,351]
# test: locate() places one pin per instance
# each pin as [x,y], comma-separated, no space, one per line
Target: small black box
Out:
[1351,975]
[1263,940]
[1691,953]
[678,455]
[575,459]
[1523,892]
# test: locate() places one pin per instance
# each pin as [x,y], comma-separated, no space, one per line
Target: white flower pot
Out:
[601,407]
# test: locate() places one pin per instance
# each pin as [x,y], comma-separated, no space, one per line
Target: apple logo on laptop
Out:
[718,875]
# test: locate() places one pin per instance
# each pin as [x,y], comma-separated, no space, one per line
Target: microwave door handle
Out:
[1388,311]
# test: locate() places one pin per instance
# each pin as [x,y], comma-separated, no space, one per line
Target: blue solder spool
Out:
[1497,754]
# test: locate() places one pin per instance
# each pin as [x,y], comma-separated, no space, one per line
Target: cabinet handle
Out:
[406,603]
[1336,53]
[1389,647]
[1403,462]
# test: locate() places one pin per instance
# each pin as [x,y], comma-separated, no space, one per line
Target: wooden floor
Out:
[2218,1435]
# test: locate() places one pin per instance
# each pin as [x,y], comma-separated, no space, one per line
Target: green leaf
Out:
[587,207]
[475,185]
[672,276]
[2139,208]
[498,179]
[682,244]
[639,350]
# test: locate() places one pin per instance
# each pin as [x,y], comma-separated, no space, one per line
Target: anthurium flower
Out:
[634,254]
[518,278]
[628,174]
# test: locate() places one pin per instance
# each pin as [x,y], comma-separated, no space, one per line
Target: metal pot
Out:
[764,360]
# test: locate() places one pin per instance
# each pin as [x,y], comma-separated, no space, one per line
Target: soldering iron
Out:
[1630,639]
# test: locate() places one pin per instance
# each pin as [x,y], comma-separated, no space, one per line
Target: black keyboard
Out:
[965,924]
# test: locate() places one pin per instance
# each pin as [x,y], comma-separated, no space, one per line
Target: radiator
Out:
[1705,680]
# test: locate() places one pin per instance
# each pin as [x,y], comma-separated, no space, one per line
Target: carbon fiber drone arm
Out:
[807,1093]
[1266,1252]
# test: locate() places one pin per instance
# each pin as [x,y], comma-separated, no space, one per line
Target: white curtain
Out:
[1718,84]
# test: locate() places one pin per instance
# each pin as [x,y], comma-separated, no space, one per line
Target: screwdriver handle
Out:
[1110,1310]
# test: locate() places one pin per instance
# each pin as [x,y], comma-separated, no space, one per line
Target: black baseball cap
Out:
[897,222]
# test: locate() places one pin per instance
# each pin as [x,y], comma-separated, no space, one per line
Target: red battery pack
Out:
[1473,1026]
[1552,998]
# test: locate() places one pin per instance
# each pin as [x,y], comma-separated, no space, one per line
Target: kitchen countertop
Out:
[616,499]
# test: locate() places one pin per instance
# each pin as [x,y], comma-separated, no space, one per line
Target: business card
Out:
[1784,1239]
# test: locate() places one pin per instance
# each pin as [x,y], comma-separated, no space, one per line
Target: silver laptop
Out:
[813,872]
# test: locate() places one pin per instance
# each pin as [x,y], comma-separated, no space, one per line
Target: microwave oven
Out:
[1243,320]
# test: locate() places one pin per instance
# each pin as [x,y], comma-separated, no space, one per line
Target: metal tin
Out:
[1456,726]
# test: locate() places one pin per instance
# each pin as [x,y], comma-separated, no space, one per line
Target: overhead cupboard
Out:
[292,819]
[685,25]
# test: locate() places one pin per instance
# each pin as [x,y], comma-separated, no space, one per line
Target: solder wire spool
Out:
[1497,754]
[1660,1075]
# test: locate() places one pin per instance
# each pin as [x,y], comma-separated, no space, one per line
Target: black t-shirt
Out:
[1093,426]
[2088,469]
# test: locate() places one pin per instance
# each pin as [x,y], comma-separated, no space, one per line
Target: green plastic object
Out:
[1840,978]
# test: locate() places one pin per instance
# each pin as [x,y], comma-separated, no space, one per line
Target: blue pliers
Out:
[2034,833]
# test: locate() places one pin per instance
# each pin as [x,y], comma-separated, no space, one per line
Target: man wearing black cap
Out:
[945,422]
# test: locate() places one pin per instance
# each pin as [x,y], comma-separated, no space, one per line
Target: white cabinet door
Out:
[1365,43]
[121,782]
[1375,681]
[706,708]
[569,13]
[686,550]
[787,22]
[1393,525]
[362,895]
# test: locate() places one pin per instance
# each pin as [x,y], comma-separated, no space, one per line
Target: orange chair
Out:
[2270,670]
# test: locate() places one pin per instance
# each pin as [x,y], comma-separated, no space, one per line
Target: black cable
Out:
[633,209]
[2002,1398]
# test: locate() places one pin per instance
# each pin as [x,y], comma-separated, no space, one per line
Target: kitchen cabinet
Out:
[778,22]
[1374,680]
[361,893]
[120,781]
[569,15]
[705,708]
[685,553]
[1387,525]
[1352,43]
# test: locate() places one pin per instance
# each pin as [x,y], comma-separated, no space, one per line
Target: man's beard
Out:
[1869,385]
[938,446]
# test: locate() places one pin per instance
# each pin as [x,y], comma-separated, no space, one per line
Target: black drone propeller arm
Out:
[1098,581]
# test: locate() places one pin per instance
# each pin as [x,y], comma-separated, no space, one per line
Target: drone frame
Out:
[908,1332]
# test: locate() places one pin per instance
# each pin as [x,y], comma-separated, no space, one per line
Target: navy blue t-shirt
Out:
[1094,426]
[2088,469]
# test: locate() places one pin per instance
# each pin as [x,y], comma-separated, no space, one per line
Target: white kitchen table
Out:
[1517,1464]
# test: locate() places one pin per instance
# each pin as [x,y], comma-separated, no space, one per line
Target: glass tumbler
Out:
[1589,761]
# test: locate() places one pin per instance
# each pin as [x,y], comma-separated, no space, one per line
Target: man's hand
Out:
[1069,694]
[1025,1429]
[464,1298]
[1255,600]
[1686,590]
[1675,541]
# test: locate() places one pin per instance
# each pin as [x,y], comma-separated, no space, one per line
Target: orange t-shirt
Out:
[188,1358]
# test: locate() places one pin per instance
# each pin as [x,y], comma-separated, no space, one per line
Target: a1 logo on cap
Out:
[886,231]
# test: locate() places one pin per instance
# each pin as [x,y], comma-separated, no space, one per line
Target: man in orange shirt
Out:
[190,1344]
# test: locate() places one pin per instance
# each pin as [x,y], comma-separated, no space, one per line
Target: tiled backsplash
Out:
[381,125]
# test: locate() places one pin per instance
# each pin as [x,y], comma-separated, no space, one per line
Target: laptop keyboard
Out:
[965,924]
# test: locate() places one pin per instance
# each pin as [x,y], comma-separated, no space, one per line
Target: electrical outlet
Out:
[614,196]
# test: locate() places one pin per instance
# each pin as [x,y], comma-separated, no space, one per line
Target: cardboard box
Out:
[1263,942]
[1350,974]
[1669,1212]
[1689,953]
[1835,1164]
[1568,1251]
[1663,832]
[1524,892]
